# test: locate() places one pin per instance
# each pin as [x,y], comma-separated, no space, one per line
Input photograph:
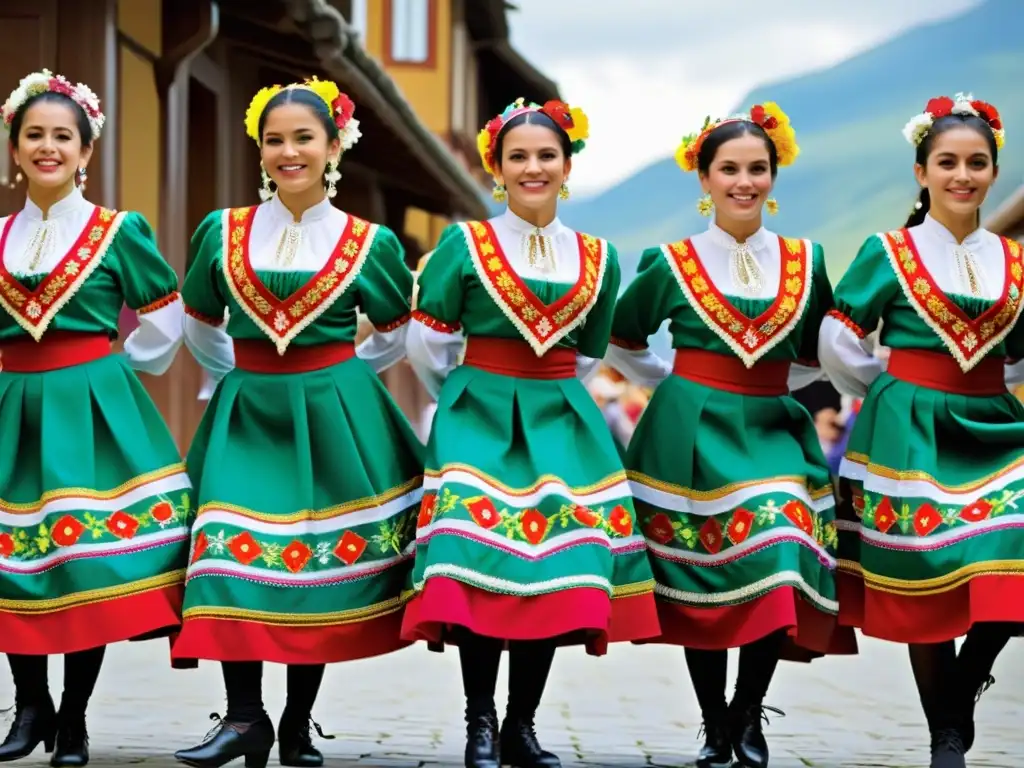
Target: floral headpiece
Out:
[768,116]
[45,81]
[339,104]
[961,104]
[572,120]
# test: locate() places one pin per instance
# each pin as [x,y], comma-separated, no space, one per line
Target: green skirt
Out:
[527,525]
[933,539]
[94,511]
[734,496]
[307,487]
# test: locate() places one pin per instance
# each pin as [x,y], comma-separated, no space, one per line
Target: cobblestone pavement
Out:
[633,707]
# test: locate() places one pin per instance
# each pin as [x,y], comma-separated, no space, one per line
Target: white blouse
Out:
[748,270]
[36,244]
[849,362]
[278,243]
[556,259]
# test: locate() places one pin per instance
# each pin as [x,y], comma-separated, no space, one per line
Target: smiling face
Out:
[739,179]
[295,148]
[958,174]
[49,149]
[533,167]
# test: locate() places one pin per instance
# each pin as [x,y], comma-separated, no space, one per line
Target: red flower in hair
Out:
[759,117]
[989,113]
[940,107]
[343,110]
[559,112]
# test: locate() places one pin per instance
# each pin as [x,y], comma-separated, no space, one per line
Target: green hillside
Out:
[854,175]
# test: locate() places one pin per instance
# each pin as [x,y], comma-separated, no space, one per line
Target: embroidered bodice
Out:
[762,299]
[73,270]
[928,292]
[479,282]
[255,273]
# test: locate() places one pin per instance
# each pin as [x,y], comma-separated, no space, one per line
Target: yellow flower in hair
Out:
[782,135]
[325,89]
[483,146]
[255,110]
[686,159]
[580,130]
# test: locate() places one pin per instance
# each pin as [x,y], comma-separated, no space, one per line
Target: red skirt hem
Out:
[810,632]
[151,614]
[579,615]
[931,618]
[211,639]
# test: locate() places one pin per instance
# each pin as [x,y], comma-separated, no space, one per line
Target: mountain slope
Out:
[854,175]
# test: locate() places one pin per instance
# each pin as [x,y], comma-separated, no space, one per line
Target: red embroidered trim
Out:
[216,322]
[847,322]
[386,327]
[631,345]
[434,323]
[159,303]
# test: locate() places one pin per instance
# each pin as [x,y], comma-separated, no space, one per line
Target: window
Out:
[410,27]
[357,18]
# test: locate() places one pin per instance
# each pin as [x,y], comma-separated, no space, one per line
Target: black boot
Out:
[228,741]
[482,750]
[295,742]
[72,747]
[717,749]
[33,724]
[748,742]
[948,748]
[529,665]
[974,662]
[969,704]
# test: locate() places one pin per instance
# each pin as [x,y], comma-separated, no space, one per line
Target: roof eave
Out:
[339,51]
[1009,214]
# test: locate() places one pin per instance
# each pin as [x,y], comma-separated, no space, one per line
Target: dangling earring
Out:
[265,191]
[498,193]
[705,205]
[82,177]
[563,191]
[18,178]
[772,206]
[333,177]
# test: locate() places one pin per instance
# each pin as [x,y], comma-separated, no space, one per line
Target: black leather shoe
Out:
[482,749]
[967,729]
[748,742]
[72,745]
[948,749]
[228,741]
[520,748]
[32,725]
[717,749]
[295,742]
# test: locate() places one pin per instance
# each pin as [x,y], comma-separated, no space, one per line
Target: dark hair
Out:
[308,99]
[532,117]
[728,132]
[84,128]
[924,150]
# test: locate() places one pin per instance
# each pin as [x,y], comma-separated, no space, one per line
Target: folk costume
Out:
[732,490]
[930,546]
[94,498]
[526,533]
[307,475]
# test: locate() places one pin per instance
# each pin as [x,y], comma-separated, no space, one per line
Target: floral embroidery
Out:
[749,338]
[880,513]
[857,330]
[34,542]
[967,340]
[542,326]
[34,310]
[392,538]
[690,530]
[434,323]
[283,320]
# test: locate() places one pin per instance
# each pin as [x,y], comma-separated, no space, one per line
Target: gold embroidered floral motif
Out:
[968,340]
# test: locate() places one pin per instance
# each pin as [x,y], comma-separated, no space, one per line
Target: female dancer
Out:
[732,489]
[931,545]
[94,499]
[526,531]
[307,474]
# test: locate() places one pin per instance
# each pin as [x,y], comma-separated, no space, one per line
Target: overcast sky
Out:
[648,71]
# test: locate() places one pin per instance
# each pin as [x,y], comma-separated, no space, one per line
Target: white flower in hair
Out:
[350,134]
[915,130]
